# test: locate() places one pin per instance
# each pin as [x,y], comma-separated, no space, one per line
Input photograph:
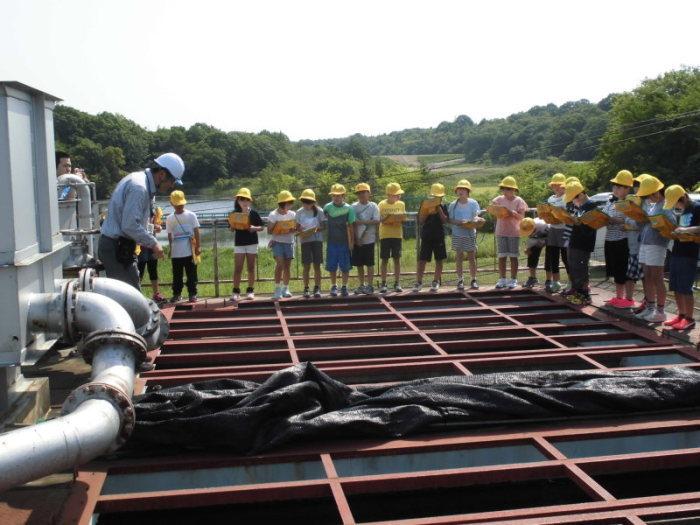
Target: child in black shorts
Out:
[432,241]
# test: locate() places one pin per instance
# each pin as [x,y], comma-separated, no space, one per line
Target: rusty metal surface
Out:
[372,340]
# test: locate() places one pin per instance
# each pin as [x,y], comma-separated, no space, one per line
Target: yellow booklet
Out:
[499,212]
[632,210]
[687,237]
[394,218]
[663,225]
[472,224]
[308,232]
[284,227]
[544,212]
[594,219]
[429,206]
[562,215]
[238,220]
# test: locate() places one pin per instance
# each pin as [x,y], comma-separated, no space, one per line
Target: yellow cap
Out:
[337,189]
[673,194]
[394,188]
[648,184]
[558,179]
[177,198]
[573,188]
[570,179]
[437,190]
[308,195]
[508,182]
[285,196]
[623,178]
[527,226]
[362,186]
[464,184]
[245,193]
[641,177]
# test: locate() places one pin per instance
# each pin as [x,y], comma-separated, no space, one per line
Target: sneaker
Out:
[286,293]
[474,285]
[417,287]
[684,324]
[555,287]
[383,288]
[673,321]
[235,297]
[641,308]
[548,286]
[435,286]
[568,292]
[397,288]
[531,282]
[306,293]
[460,284]
[317,292]
[334,290]
[656,316]
[192,298]
[501,283]
[344,291]
[359,290]
[644,313]
[250,293]
[580,299]
[512,283]
[278,293]
[369,289]
[176,299]
[159,298]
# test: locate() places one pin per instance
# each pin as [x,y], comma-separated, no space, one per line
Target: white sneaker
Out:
[235,298]
[250,296]
[512,283]
[460,284]
[435,286]
[642,316]
[417,287]
[279,290]
[655,316]
[286,293]
[501,283]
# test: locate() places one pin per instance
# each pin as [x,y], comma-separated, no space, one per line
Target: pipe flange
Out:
[85,278]
[102,337]
[121,402]
[69,291]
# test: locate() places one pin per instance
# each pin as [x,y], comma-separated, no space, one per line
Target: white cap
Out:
[174,164]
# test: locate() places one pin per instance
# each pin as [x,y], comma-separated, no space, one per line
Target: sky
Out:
[321,69]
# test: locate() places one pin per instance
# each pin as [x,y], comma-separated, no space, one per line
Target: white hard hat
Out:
[173,163]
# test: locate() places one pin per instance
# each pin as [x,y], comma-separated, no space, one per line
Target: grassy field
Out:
[208,269]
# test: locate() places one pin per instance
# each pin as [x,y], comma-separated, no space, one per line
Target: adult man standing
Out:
[128,214]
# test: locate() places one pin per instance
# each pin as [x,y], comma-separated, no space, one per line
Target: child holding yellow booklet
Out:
[281,224]
[463,215]
[245,237]
[508,231]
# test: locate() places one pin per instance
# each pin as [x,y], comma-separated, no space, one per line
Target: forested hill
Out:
[571,131]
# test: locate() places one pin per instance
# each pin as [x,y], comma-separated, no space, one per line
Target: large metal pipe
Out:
[97,416]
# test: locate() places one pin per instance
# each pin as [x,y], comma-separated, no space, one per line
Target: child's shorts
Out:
[652,255]
[283,249]
[682,275]
[389,248]
[634,269]
[312,252]
[338,258]
[508,246]
[363,255]
[466,243]
[248,248]
[428,247]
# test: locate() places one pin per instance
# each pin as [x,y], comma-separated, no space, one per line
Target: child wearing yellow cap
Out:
[182,227]
[557,237]
[684,256]
[432,240]
[367,219]
[508,231]
[581,245]
[536,232]
[652,251]
[245,240]
[282,242]
[391,234]
[340,217]
[461,212]
[311,221]
[616,239]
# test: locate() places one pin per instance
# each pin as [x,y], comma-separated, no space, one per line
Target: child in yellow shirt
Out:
[391,233]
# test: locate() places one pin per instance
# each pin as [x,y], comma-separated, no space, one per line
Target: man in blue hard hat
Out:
[128,216]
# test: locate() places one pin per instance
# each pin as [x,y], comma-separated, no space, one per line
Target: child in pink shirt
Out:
[508,232]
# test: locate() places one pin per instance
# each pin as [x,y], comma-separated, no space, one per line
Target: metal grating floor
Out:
[641,470]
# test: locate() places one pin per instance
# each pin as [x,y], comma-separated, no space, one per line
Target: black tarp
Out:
[302,403]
